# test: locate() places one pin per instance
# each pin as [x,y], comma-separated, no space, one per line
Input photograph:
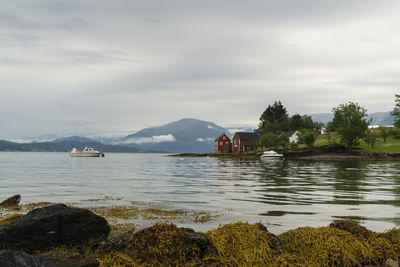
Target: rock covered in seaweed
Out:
[11,201]
[161,245]
[13,258]
[244,244]
[67,259]
[50,226]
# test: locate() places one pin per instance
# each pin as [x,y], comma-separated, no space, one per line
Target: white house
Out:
[293,136]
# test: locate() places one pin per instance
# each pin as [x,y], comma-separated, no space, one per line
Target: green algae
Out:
[9,219]
[342,243]
[159,245]
[326,246]
[243,244]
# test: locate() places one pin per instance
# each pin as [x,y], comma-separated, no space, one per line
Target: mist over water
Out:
[281,194]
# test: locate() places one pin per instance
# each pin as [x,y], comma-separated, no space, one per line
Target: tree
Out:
[309,138]
[283,140]
[254,144]
[318,126]
[350,122]
[273,119]
[396,112]
[308,122]
[269,139]
[295,122]
[384,133]
[370,138]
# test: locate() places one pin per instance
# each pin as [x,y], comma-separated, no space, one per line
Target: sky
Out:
[113,67]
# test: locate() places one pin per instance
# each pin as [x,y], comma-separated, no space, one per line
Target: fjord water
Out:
[281,194]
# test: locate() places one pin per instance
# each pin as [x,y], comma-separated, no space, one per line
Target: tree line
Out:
[350,122]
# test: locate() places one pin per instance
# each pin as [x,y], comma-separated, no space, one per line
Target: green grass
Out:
[392,145]
[326,139]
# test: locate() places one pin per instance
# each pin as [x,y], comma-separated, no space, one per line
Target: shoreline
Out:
[303,155]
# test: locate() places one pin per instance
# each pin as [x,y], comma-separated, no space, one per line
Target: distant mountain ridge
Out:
[65,146]
[80,139]
[378,118]
[185,135]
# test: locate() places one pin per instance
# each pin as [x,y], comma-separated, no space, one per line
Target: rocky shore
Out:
[59,235]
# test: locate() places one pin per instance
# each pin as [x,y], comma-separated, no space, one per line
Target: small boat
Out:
[271,155]
[86,152]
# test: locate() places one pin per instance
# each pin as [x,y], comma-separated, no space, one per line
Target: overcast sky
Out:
[102,66]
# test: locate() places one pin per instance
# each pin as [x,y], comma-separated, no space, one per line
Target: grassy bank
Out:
[391,146]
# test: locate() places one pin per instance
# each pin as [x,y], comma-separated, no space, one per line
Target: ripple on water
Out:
[281,194]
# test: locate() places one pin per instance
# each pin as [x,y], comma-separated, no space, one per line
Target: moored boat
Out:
[271,155]
[86,152]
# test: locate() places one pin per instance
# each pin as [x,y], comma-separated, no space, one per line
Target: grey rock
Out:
[12,258]
[119,237]
[67,259]
[50,226]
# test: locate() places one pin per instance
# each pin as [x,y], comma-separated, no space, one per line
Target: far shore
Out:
[301,155]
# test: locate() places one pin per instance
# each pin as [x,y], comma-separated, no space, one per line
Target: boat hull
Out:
[85,154]
[271,157]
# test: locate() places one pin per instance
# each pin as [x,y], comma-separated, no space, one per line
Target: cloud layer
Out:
[153,139]
[95,66]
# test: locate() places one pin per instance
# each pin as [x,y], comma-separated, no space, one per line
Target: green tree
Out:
[283,140]
[269,139]
[384,133]
[309,138]
[396,112]
[254,144]
[371,137]
[318,126]
[273,119]
[350,122]
[307,122]
[295,122]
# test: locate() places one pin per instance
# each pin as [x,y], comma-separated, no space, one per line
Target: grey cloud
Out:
[12,21]
[87,66]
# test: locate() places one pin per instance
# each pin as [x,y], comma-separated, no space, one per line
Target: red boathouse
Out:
[242,141]
[223,144]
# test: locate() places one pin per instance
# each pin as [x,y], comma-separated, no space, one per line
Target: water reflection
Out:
[349,188]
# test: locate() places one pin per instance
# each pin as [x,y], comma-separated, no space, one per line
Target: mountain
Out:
[382,118]
[233,130]
[185,135]
[322,117]
[65,146]
[75,139]
[378,118]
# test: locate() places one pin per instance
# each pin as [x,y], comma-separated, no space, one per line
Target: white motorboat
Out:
[86,152]
[271,155]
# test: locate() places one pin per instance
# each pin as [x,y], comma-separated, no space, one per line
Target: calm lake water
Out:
[282,195]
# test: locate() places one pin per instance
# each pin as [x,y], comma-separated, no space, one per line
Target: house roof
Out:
[247,136]
[289,133]
[221,136]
